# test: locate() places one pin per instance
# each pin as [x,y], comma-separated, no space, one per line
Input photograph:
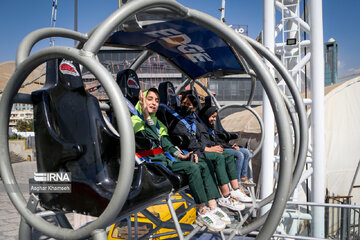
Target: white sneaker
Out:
[221,215]
[242,197]
[231,203]
[212,222]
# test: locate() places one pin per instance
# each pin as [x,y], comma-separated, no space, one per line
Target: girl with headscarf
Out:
[208,115]
[202,188]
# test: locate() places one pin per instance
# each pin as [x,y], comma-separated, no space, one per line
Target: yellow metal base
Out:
[161,211]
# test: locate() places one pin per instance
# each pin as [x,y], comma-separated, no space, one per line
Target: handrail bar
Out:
[324,205]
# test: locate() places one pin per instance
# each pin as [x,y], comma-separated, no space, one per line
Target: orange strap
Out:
[146,153]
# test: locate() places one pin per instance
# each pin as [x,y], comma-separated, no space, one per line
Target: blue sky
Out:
[20,17]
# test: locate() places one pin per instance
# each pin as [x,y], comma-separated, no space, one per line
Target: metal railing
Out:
[341,223]
[341,219]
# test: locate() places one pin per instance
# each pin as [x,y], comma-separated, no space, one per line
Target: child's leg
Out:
[193,172]
[244,168]
[239,160]
[218,161]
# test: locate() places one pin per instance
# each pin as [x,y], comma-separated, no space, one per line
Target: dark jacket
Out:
[216,136]
[197,142]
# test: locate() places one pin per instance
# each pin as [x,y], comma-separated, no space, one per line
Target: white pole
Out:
[317,115]
[267,162]
[75,18]
[222,18]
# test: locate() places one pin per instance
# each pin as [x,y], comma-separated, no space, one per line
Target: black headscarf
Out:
[205,113]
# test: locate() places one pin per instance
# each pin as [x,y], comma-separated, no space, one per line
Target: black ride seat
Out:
[72,136]
[169,103]
[130,86]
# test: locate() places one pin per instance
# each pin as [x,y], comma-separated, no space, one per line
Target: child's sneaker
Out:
[212,222]
[231,203]
[221,215]
[240,196]
[247,182]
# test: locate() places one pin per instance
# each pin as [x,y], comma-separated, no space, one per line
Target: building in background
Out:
[229,89]
[331,59]
[20,111]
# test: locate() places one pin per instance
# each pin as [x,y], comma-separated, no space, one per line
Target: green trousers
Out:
[202,186]
[223,165]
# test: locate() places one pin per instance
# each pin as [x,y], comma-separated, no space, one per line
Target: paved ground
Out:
[9,217]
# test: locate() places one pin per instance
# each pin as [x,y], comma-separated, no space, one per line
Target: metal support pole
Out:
[174,217]
[317,116]
[222,9]
[75,19]
[99,234]
[267,165]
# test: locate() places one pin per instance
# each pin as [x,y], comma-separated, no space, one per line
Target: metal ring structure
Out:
[208,92]
[261,220]
[291,112]
[300,109]
[295,121]
[125,129]
[32,38]
[84,56]
[281,118]
[299,106]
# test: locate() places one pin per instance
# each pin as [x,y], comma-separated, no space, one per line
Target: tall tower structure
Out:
[331,59]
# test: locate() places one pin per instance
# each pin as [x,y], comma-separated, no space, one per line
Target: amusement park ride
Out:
[108,180]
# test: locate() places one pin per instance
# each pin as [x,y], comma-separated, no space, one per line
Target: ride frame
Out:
[86,55]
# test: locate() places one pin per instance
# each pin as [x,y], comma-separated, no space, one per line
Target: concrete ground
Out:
[9,217]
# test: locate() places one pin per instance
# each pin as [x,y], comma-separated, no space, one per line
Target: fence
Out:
[341,219]
[341,223]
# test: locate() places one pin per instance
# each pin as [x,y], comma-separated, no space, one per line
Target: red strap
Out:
[146,153]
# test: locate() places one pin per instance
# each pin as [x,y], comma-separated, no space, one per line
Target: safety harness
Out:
[191,128]
[147,153]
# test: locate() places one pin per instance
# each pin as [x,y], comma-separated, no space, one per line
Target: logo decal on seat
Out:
[66,67]
[170,92]
[132,83]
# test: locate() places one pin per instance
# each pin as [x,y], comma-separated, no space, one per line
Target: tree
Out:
[25,125]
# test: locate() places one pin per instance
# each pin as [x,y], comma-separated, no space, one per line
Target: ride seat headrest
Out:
[128,82]
[208,102]
[167,94]
[69,75]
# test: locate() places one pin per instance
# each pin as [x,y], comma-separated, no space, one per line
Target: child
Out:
[202,191]
[208,115]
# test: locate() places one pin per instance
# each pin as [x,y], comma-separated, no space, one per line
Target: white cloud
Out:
[353,70]
[341,64]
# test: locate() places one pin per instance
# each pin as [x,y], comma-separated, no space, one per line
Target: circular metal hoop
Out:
[125,129]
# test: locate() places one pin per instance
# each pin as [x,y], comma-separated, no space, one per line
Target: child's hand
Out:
[143,105]
[235,146]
